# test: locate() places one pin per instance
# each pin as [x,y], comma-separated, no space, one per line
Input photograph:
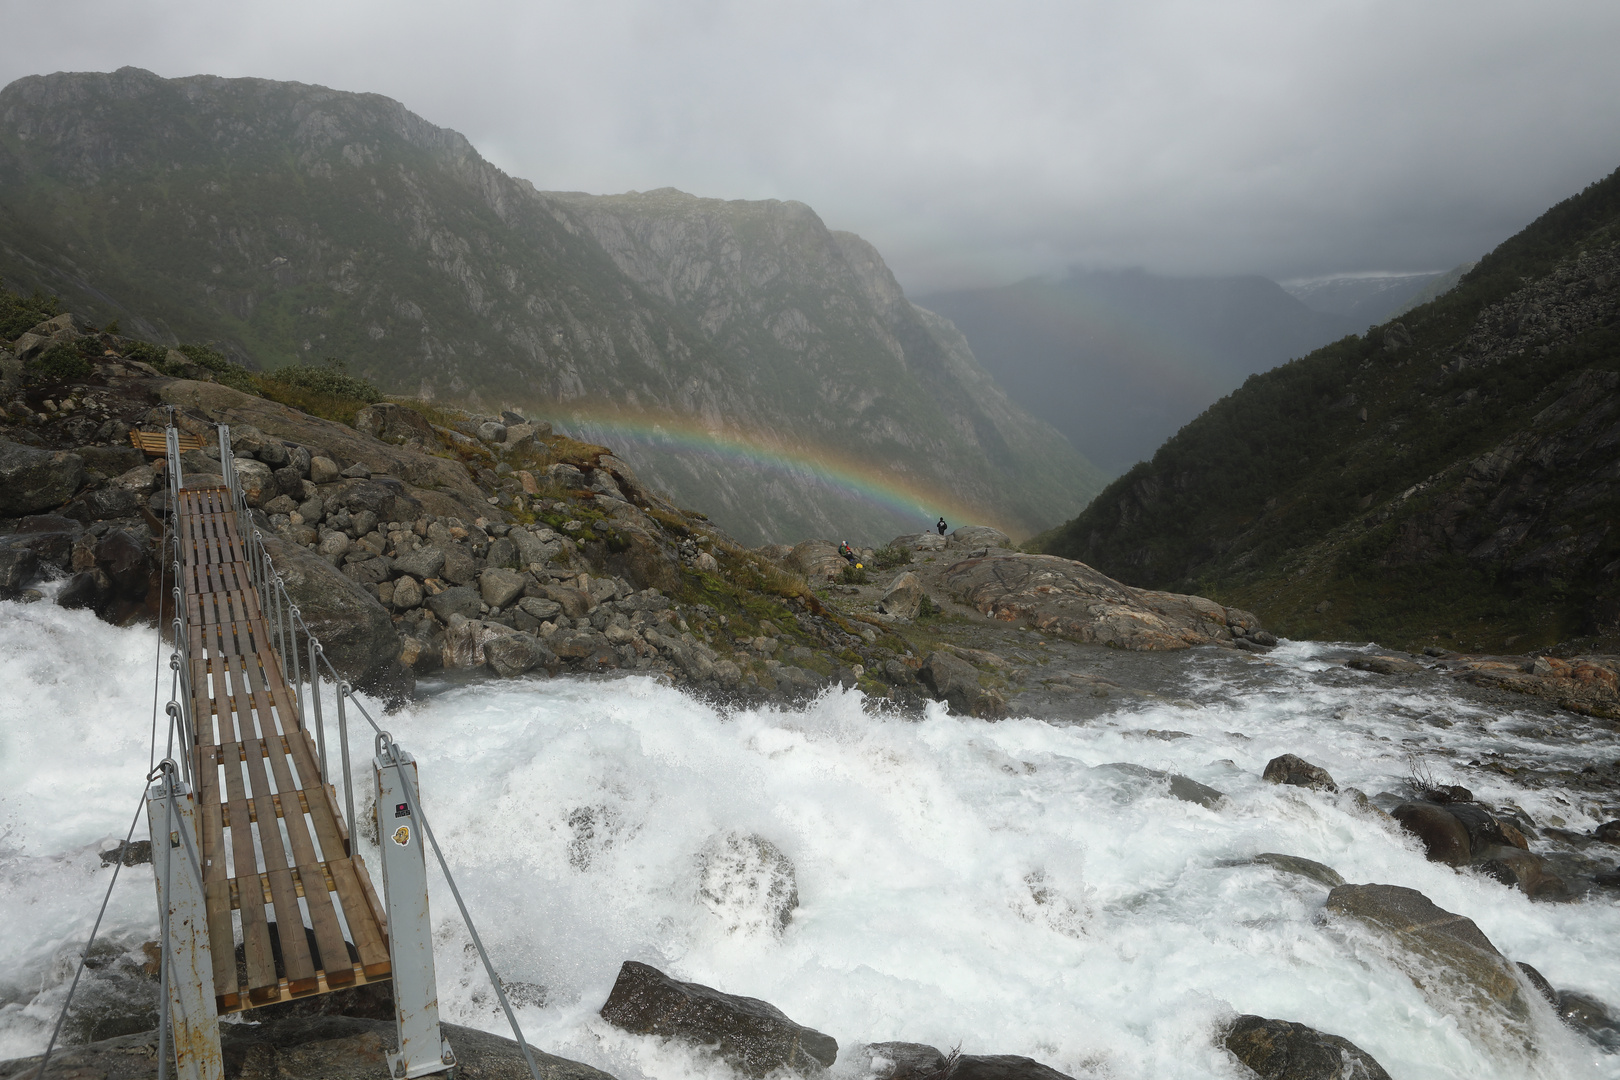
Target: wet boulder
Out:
[32,480]
[1306,868]
[903,1061]
[1283,1050]
[1444,838]
[749,885]
[1002,1067]
[19,566]
[752,1036]
[1177,786]
[1474,981]
[1296,771]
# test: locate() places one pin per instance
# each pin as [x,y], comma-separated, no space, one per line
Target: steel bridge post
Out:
[422,1049]
[194,1019]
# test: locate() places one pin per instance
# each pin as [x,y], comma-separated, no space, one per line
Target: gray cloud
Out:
[973,142]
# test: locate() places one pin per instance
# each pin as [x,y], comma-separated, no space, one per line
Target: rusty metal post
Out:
[422,1049]
[194,1018]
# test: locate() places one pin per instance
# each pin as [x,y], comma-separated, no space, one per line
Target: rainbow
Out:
[829,469]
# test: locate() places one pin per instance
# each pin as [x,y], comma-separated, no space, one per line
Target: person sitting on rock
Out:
[847,552]
[941,526]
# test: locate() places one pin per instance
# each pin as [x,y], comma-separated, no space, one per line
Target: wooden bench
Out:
[153,443]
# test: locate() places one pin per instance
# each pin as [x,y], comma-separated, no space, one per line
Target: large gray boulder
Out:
[499,586]
[355,630]
[33,480]
[1474,979]
[956,682]
[1282,1050]
[752,1036]
[903,598]
[513,654]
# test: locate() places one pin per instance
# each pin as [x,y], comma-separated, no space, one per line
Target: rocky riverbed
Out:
[976,811]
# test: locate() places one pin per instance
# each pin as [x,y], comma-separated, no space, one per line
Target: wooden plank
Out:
[369,937]
[261,967]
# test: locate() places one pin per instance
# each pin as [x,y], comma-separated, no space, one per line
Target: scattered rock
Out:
[1002,1067]
[323,470]
[324,1046]
[752,1036]
[1591,1018]
[1289,769]
[355,630]
[1283,1050]
[394,424]
[1180,787]
[499,587]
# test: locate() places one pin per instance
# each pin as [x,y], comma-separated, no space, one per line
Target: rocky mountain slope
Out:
[1450,479]
[285,222]
[1119,360]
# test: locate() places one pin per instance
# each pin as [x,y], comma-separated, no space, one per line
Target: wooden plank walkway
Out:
[278,872]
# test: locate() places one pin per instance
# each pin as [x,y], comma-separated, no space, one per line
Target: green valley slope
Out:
[284,222]
[1451,478]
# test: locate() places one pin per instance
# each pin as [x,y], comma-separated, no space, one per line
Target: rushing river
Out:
[959,882]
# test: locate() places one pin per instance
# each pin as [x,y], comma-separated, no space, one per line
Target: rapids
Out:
[959,882]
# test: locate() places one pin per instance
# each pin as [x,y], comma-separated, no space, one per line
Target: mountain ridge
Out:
[285,222]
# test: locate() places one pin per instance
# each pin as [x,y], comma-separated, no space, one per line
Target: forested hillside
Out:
[1452,477]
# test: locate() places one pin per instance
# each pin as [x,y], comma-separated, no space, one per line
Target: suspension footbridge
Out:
[263,895]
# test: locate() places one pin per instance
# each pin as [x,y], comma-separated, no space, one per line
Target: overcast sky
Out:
[973,143]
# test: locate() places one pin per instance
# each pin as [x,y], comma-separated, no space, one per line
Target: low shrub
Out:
[62,362]
[854,575]
[887,558]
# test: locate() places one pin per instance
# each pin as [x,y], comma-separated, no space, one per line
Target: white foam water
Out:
[960,883]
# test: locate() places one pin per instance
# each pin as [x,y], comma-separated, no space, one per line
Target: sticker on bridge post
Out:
[422,1049]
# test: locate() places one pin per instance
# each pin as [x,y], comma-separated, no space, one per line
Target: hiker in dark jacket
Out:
[941,526]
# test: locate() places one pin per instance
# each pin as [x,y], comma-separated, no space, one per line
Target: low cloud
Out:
[974,143]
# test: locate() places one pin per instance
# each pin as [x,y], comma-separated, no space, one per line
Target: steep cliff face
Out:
[1451,478]
[812,342]
[287,222]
